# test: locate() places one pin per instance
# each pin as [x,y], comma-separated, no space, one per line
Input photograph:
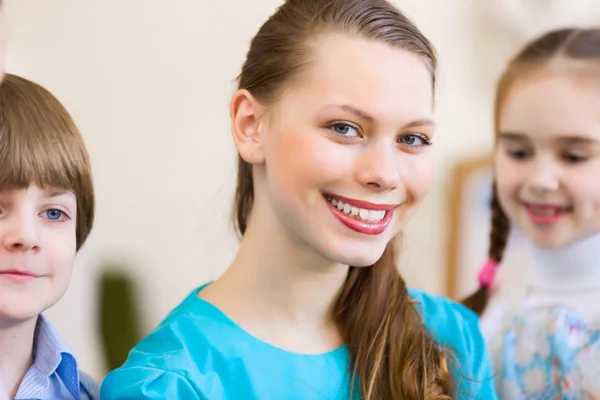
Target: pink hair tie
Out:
[488,273]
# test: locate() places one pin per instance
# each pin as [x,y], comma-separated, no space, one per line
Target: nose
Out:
[544,178]
[19,234]
[378,168]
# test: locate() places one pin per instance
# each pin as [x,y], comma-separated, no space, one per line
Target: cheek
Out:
[62,251]
[507,181]
[417,174]
[582,187]
[298,161]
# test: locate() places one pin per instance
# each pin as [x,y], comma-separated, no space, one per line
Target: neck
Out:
[277,281]
[575,267]
[16,356]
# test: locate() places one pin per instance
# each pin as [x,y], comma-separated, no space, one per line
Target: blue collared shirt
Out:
[54,374]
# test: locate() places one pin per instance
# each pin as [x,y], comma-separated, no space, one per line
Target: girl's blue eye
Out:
[54,214]
[344,129]
[414,140]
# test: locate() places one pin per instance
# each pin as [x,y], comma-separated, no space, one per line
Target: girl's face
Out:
[548,158]
[345,154]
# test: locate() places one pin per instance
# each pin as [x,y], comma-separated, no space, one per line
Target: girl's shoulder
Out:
[456,328]
[176,359]
[443,316]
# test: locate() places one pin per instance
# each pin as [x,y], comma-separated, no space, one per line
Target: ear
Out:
[245,112]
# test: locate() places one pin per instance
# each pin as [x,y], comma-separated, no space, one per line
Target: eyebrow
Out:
[353,110]
[572,140]
[583,140]
[57,193]
[419,122]
[367,117]
[512,136]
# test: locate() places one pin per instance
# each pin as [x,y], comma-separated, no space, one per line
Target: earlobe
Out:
[245,112]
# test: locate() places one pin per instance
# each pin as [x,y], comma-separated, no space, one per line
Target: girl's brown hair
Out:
[392,355]
[568,50]
[40,144]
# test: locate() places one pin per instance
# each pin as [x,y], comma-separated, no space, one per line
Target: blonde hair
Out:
[40,144]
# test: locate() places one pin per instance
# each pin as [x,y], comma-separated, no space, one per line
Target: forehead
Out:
[385,81]
[551,105]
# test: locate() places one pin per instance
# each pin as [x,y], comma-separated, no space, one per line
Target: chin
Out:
[25,306]
[546,245]
[361,262]
[357,256]
[550,242]
[14,316]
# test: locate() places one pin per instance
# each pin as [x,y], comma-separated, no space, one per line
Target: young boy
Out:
[46,214]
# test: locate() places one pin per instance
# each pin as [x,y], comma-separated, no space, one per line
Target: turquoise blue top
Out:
[197,352]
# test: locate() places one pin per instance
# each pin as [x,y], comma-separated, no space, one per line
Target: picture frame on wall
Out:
[469,224]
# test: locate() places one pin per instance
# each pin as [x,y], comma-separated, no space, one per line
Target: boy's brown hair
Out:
[40,144]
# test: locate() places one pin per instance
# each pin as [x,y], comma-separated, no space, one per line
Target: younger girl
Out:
[333,125]
[545,340]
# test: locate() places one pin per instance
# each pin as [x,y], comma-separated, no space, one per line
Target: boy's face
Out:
[37,250]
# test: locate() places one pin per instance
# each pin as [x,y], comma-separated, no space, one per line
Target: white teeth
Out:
[358,213]
[373,216]
[364,214]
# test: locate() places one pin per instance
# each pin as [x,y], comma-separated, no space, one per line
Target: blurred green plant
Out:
[119,316]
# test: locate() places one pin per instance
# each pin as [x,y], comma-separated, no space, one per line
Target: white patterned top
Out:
[545,341]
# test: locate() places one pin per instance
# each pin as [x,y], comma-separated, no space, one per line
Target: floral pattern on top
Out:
[547,353]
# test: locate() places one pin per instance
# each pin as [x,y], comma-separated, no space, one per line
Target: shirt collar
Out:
[51,356]
[49,349]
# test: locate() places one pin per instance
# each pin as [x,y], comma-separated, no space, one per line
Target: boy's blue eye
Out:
[54,214]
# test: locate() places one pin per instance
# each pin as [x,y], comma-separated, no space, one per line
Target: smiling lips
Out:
[545,214]
[361,216]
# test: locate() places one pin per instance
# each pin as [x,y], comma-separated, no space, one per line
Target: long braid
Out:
[498,239]
[500,230]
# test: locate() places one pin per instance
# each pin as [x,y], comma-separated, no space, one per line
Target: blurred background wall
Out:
[148,83]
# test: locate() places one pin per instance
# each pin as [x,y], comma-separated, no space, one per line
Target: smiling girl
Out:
[333,125]
[545,341]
